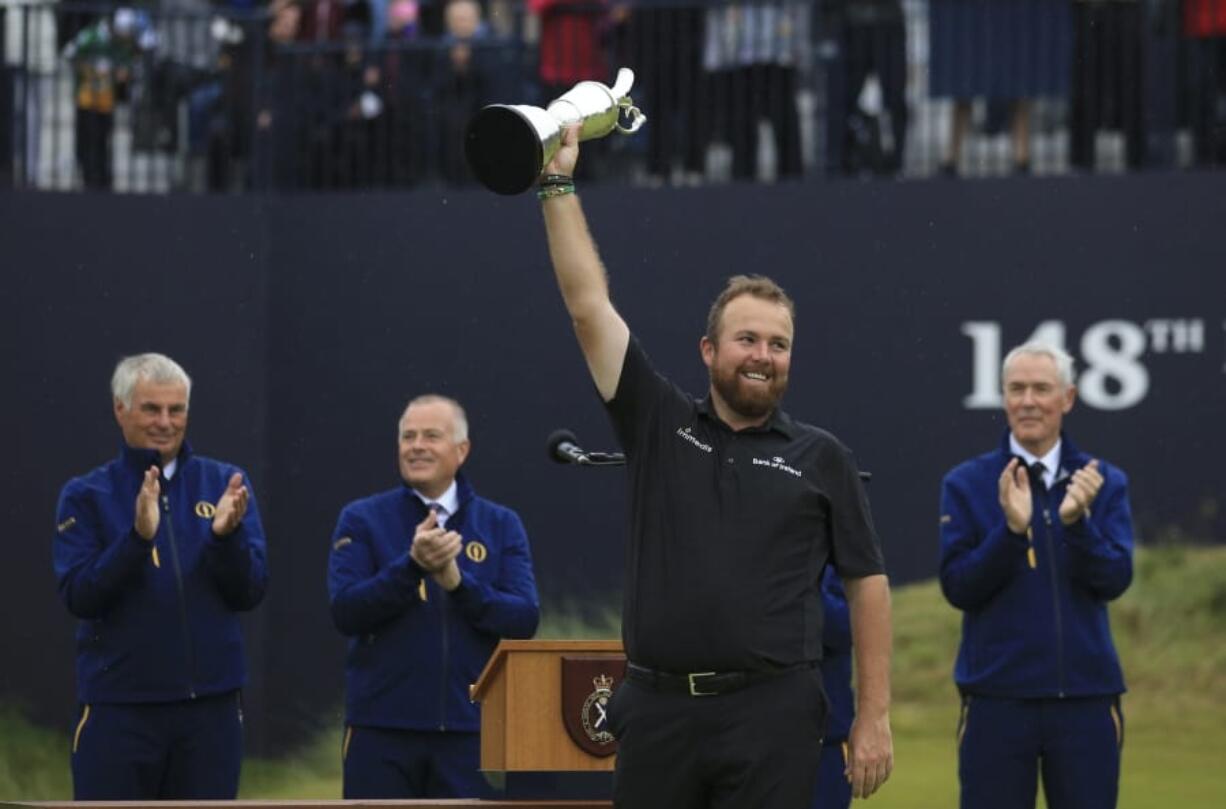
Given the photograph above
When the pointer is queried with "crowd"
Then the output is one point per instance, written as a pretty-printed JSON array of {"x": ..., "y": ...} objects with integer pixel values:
[{"x": 316, "y": 94}]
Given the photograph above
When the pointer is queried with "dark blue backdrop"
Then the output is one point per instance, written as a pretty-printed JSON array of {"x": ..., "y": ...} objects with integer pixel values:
[{"x": 307, "y": 322}]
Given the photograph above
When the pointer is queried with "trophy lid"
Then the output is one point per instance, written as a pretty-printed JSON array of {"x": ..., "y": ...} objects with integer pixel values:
[{"x": 503, "y": 149}]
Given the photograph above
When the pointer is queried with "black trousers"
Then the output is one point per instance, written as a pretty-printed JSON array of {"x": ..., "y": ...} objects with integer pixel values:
[
  {"x": 746, "y": 95},
  {"x": 1108, "y": 80},
  {"x": 756, "y": 748},
  {"x": 94, "y": 130}
]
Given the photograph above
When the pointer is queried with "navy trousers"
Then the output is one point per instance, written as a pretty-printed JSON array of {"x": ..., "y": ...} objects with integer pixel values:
[
  {"x": 757, "y": 747},
  {"x": 191, "y": 750},
  {"x": 1005, "y": 744},
  {"x": 832, "y": 790},
  {"x": 391, "y": 763}
]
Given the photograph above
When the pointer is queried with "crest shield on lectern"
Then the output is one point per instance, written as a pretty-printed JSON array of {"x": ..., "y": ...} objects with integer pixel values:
[{"x": 587, "y": 688}]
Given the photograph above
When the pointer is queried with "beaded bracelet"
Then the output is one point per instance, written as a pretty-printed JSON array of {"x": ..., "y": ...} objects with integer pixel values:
[{"x": 555, "y": 190}]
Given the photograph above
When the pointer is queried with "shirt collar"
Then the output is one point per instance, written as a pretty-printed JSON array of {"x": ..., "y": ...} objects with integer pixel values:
[
  {"x": 1050, "y": 461},
  {"x": 449, "y": 500},
  {"x": 142, "y": 459}
]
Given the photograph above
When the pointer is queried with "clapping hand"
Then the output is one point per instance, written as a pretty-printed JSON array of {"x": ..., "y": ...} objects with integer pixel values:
[
  {"x": 1082, "y": 489},
  {"x": 147, "y": 514},
  {"x": 435, "y": 550},
  {"x": 1015, "y": 496},
  {"x": 231, "y": 507}
]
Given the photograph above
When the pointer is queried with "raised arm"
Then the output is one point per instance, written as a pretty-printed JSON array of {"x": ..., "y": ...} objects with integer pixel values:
[{"x": 603, "y": 335}]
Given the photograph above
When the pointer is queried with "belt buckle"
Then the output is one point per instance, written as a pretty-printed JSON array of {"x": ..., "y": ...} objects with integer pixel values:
[{"x": 693, "y": 677}]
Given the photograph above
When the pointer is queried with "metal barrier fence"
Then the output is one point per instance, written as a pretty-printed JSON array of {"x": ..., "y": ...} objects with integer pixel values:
[{"x": 321, "y": 94}]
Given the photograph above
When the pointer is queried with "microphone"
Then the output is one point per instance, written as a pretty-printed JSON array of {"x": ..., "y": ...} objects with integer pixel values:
[{"x": 563, "y": 449}]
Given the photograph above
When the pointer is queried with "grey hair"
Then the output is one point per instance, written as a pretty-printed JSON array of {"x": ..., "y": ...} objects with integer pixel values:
[
  {"x": 1038, "y": 348},
  {"x": 460, "y": 429},
  {"x": 156, "y": 368}
]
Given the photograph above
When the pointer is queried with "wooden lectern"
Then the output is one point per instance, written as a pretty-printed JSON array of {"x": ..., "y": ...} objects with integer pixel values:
[{"x": 520, "y": 691}]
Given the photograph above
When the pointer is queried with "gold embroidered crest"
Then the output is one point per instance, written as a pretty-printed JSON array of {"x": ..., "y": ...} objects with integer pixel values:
[
  {"x": 206, "y": 510},
  {"x": 475, "y": 551}
]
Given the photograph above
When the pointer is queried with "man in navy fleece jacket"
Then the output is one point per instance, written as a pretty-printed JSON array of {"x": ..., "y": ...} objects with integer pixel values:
[
  {"x": 424, "y": 579},
  {"x": 1036, "y": 539}
]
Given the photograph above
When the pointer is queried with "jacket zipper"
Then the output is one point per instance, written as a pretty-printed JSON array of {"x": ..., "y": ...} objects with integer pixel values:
[
  {"x": 1055, "y": 600},
  {"x": 442, "y": 702},
  {"x": 187, "y": 637}
]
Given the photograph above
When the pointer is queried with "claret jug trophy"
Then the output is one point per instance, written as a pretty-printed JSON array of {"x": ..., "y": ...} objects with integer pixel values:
[{"x": 508, "y": 145}]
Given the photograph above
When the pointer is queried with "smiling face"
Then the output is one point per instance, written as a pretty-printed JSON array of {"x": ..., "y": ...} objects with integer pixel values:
[
  {"x": 429, "y": 454},
  {"x": 1036, "y": 399},
  {"x": 156, "y": 419},
  {"x": 749, "y": 359}
]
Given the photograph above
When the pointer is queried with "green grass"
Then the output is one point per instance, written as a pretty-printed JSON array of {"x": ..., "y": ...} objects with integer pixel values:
[{"x": 1170, "y": 629}]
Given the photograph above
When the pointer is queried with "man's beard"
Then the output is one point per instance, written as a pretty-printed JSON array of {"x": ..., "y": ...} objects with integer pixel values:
[{"x": 746, "y": 400}]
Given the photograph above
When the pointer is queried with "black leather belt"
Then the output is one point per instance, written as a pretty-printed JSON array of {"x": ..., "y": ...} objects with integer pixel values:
[{"x": 703, "y": 683}]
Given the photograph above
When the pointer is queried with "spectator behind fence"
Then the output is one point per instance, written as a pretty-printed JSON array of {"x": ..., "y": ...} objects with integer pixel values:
[
  {"x": 402, "y": 21},
  {"x": 157, "y": 552},
  {"x": 1108, "y": 79},
  {"x": 663, "y": 45},
  {"x": 573, "y": 47},
  {"x": 424, "y": 579},
  {"x": 1003, "y": 51},
  {"x": 363, "y": 131},
  {"x": 462, "y": 82},
  {"x": 1204, "y": 28},
  {"x": 1036, "y": 539},
  {"x": 286, "y": 122},
  {"x": 102, "y": 56},
  {"x": 865, "y": 56},
  {"x": 754, "y": 52}
]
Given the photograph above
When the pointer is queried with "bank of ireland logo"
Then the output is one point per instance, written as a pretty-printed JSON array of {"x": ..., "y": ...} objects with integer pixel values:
[
  {"x": 780, "y": 463},
  {"x": 595, "y": 711}
]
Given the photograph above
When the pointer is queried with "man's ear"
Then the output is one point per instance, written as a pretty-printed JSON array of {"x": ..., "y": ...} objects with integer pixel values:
[
  {"x": 1070, "y": 396},
  {"x": 707, "y": 349}
]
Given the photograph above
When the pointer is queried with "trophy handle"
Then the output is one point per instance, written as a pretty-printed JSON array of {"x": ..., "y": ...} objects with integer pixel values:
[
  {"x": 623, "y": 83},
  {"x": 621, "y": 94},
  {"x": 633, "y": 114}
]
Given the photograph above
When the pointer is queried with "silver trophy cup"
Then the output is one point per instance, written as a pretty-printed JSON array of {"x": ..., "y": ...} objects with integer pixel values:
[{"x": 507, "y": 145}]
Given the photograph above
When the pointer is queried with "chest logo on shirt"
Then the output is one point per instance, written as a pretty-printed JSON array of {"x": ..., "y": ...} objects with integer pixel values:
[
  {"x": 778, "y": 463},
  {"x": 686, "y": 434},
  {"x": 476, "y": 551},
  {"x": 206, "y": 510}
]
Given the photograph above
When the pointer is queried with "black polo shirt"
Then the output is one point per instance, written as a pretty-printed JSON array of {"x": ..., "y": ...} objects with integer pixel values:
[{"x": 729, "y": 531}]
